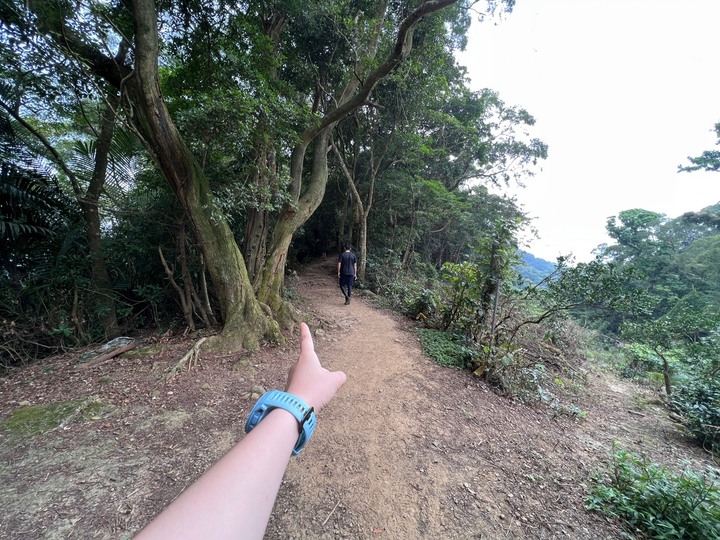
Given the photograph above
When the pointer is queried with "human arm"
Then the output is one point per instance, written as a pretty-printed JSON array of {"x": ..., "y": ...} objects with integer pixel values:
[
  {"x": 339, "y": 266},
  {"x": 234, "y": 498}
]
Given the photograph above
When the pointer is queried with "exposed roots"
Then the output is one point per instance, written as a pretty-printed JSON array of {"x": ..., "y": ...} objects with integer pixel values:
[{"x": 191, "y": 359}]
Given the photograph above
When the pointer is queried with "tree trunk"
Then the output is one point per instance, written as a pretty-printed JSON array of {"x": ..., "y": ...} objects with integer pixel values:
[
  {"x": 342, "y": 235},
  {"x": 257, "y": 221},
  {"x": 291, "y": 219},
  {"x": 666, "y": 372},
  {"x": 410, "y": 244},
  {"x": 362, "y": 210},
  {"x": 491, "y": 283},
  {"x": 101, "y": 282},
  {"x": 246, "y": 321}
]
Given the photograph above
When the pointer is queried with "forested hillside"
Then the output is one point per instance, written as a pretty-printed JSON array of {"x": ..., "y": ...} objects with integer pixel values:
[
  {"x": 534, "y": 269},
  {"x": 166, "y": 168}
]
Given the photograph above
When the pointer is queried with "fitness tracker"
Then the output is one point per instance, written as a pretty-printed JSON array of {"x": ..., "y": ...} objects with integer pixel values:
[{"x": 275, "y": 399}]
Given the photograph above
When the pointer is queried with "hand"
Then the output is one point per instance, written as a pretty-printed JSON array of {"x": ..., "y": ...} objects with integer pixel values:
[{"x": 308, "y": 380}]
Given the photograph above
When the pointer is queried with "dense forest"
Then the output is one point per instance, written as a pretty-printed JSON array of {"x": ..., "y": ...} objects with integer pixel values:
[
  {"x": 168, "y": 166},
  {"x": 181, "y": 161}
]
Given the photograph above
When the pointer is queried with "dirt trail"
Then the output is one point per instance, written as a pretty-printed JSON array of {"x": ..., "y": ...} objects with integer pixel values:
[{"x": 407, "y": 449}]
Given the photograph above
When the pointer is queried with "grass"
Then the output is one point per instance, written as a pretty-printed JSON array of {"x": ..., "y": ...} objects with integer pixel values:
[{"x": 38, "y": 419}]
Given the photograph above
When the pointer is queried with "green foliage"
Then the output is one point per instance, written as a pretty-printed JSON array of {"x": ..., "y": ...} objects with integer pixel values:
[
  {"x": 641, "y": 360},
  {"x": 653, "y": 501},
  {"x": 462, "y": 297},
  {"x": 411, "y": 298},
  {"x": 709, "y": 160},
  {"x": 446, "y": 349},
  {"x": 698, "y": 403},
  {"x": 599, "y": 286}
]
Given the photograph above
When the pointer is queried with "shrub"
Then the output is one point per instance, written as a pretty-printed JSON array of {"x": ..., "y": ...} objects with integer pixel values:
[
  {"x": 639, "y": 361},
  {"x": 409, "y": 296},
  {"x": 698, "y": 402},
  {"x": 650, "y": 499},
  {"x": 445, "y": 348}
]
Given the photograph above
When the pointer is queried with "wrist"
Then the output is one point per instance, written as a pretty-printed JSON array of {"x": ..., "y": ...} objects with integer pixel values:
[{"x": 302, "y": 412}]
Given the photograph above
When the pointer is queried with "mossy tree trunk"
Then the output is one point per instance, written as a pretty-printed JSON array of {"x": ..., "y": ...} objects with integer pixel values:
[
  {"x": 245, "y": 320},
  {"x": 289, "y": 221}
]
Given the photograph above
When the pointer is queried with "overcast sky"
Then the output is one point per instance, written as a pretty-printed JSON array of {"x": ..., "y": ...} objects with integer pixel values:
[{"x": 622, "y": 91}]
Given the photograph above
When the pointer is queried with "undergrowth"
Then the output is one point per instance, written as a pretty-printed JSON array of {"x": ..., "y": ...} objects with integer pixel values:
[
  {"x": 445, "y": 348},
  {"x": 653, "y": 502}
]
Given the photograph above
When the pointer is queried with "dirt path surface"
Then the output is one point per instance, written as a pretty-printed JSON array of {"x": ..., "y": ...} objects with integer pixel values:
[{"x": 407, "y": 449}]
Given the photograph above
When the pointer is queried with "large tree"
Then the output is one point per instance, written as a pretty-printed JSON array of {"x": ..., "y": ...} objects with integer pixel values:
[{"x": 138, "y": 80}]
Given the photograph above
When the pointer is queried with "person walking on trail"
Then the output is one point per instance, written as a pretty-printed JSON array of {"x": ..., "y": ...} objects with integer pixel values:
[{"x": 347, "y": 272}]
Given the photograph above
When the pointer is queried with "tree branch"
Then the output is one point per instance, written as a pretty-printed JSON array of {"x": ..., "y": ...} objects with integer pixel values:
[{"x": 403, "y": 46}]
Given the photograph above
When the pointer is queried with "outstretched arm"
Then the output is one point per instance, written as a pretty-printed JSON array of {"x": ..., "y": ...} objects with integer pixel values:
[{"x": 234, "y": 498}]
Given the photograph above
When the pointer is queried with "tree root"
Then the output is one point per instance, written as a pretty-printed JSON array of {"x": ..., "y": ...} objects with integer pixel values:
[{"x": 191, "y": 358}]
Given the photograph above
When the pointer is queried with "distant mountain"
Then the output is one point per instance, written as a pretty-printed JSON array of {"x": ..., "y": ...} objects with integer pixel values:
[{"x": 533, "y": 269}]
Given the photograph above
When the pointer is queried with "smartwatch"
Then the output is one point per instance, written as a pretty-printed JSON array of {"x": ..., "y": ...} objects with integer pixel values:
[{"x": 275, "y": 399}]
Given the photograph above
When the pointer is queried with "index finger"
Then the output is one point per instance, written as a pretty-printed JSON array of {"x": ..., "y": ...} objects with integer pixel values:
[{"x": 306, "y": 340}]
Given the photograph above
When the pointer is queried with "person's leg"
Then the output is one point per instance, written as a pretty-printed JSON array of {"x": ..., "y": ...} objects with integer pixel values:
[{"x": 345, "y": 287}]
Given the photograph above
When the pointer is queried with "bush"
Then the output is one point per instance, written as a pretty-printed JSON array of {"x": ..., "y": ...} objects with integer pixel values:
[
  {"x": 409, "y": 296},
  {"x": 698, "y": 402},
  {"x": 446, "y": 349},
  {"x": 639, "y": 361},
  {"x": 650, "y": 499}
]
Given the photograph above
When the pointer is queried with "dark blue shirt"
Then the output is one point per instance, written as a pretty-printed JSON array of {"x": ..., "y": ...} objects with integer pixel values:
[{"x": 347, "y": 262}]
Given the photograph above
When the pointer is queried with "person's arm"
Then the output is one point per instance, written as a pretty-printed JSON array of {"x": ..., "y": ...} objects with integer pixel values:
[
  {"x": 234, "y": 498},
  {"x": 339, "y": 265}
]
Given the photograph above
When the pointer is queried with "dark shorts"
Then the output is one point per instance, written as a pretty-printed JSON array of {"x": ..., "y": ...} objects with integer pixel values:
[{"x": 347, "y": 280}]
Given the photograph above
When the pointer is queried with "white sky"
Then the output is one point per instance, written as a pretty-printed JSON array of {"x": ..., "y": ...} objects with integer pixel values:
[{"x": 622, "y": 91}]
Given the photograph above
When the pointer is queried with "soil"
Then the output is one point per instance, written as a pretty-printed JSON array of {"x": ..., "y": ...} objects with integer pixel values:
[{"x": 407, "y": 449}]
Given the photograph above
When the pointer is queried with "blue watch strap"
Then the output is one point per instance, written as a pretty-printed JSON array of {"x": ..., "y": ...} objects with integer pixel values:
[{"x": 275, "y": 399}]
